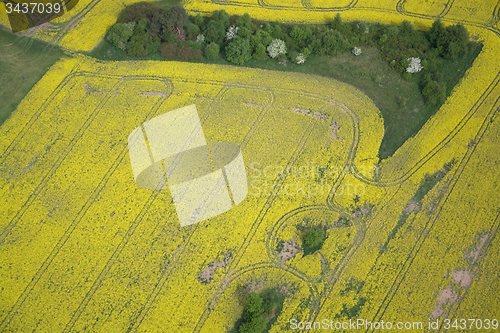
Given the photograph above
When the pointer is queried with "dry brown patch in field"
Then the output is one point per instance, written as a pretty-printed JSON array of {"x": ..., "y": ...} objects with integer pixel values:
[
  {"x": 412, "y": 206},
  {"x": 153, "y": 93},
  {"x": 463, "y": 277}
]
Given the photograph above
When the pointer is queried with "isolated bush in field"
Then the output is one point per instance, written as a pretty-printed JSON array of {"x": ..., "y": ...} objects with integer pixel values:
[
  {"x": 414, "y": 66},
  {"x": 356, "y": 51},
  {"x": 314, "y": 236},
  {"x": 120, "y": 33},
  {"x": 232, "y": 32},
  {"x": 276, "y": 47},
  {"x": 239, "y": 51},
  {"x": 212, "y": 51}
]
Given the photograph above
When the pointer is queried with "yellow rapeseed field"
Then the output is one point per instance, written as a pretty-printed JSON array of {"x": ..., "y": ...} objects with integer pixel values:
[{"x": 82, "y": 248}]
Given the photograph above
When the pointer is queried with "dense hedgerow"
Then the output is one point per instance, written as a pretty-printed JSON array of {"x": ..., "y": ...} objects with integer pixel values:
[{"x": 144, "y": 28}]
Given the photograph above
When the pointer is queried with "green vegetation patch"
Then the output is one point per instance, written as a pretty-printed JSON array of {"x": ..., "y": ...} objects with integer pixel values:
[{"x": 313, "y": 239}]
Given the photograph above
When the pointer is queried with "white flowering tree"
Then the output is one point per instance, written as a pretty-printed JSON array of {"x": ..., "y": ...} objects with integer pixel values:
[
  {"x": 356, "y": 51},
  {"x": 276, "y": 47},
  {"x": 232, "y": 32},
  {"x": 414, "y": 66}
]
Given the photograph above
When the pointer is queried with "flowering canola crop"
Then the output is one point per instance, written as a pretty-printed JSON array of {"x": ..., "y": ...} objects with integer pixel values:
[{"x": 84, "y": 248}]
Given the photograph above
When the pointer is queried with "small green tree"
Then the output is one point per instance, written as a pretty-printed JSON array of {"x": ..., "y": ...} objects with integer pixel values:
[
  {"x": 256, "y": 324},
  {"x": 176, "y": 17},
  {"x": 239, "y": 51},
  {"x": 215, "y": 32},
  {"x": 298, "y": 35},
  {"x": 153, "y": 46},
  {"x": 254, "y": 303},
  {"x": 337, "y": 23},
  {"x": 222, "y": 17},
  {"x": 436, "y": 33},
  {"x": 260, "y": 52},
  {"x": 136, "y": 46},
  {"x": 212, "y": 51},
  {"x": 244, "y": 21},
  {"x": 263, "y": 37}
]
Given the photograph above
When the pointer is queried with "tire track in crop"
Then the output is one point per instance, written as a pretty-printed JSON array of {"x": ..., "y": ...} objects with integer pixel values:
[
  {"x": 431, "y": 221},
  {"x": 118, "y": 250},
  {"x": 90, "y": 200},
  {"x": 495, "y": 16},
  {"x": 62, "y": 156},
  {"x": 401, "y": 10},
  {"x": 248, "y": 238},
  {"x": 74, "y": 21},
  {"x": 166, "y": 273},
  {"x": 263, "y": 4}
]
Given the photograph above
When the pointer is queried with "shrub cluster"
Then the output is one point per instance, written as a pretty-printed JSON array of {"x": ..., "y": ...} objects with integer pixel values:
[{"x": 144, "y": 28}]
